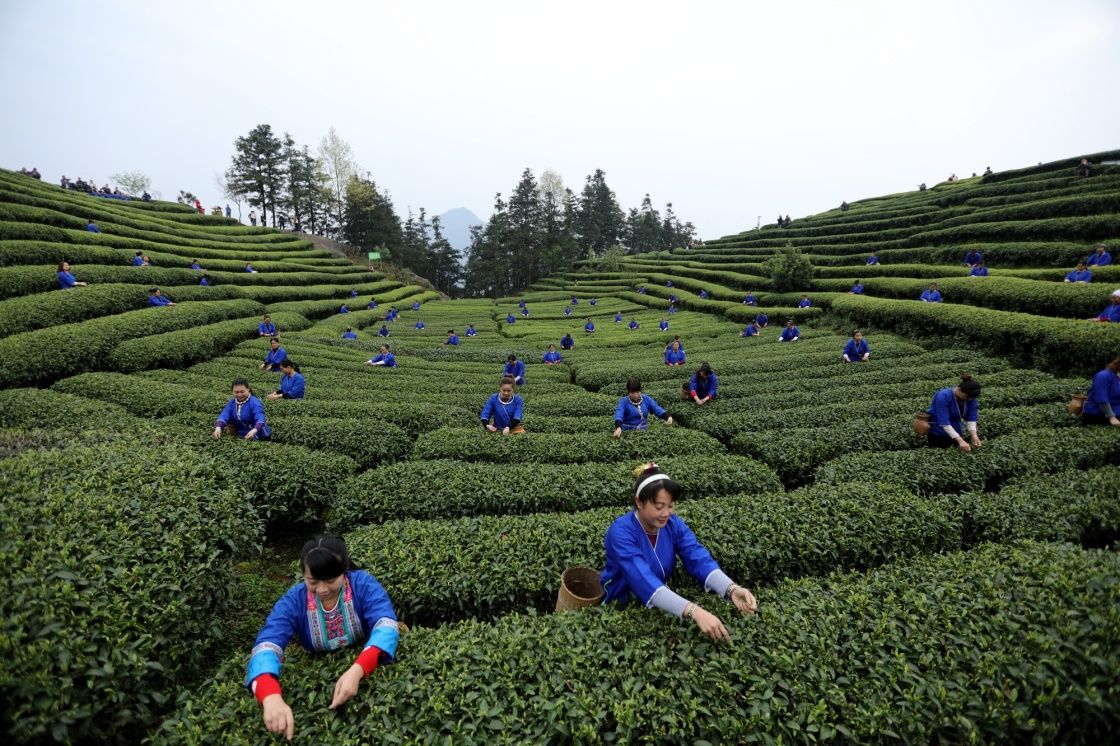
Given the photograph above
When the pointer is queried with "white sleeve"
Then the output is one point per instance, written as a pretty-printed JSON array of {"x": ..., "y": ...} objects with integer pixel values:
[
  {"x": 951, "y": 432},
  {"x": 717, "y": 581},
  {"x": 972, "y": 426},
  {"x": 668, "y": 601}
]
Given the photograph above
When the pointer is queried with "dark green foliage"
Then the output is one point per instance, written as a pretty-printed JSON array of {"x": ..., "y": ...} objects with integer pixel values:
[
  {"x": 850, "y": 659},
  {"x": 116, "y": 568},
  {"x": 789, "y": 270},
  {"x": 445, "y": 489},
  {"x": 474, "y": 445}
]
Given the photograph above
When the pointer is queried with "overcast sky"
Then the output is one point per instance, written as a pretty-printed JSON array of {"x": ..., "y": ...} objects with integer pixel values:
[{"x": 729, "y": 110}]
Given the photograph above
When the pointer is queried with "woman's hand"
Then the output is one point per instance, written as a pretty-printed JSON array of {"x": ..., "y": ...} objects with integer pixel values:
[
  {"x": 963, "y": 445},
  {"x": 505, "y": 431},
  {"x": 710, "y": 625},
  {"x": 251, "y": 434},
  {"x": 744, "y": 600},
  {"x": 669, "y": 420},
  {"x": 491, "y": 428},
  {"x": 1114, "y": 421},
  {"x": 217, "y": 433},
  {"x": 975, "y": 440},
  {"x": 278, "y": 716},
  {"x": 618, "y": 432},
  {"x": 347, "y": 686}
]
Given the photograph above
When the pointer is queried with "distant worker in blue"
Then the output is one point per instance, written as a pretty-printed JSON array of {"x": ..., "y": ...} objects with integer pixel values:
[
  {"x": 791, "y": 333},
  {"x": 703, "y": 294},
  {"x": 66, "y": 279},
  {"x": 266, "y": 328},
  {"x": 673, "y": 298},
  {"x": 749, "y": 299},
  {"x": 243, "y": 415},
  {"x": 383, "y": 359},
  {"x": 393, "y": 314},
  {"x": 633, "y": 324},
  {"x": 805, "y": 302},
  {"x": 674, "y": 355},
  {"x": 642, "y": 549},
  {"x": 204, "y": 281},
  {"x": 372, "y": 304},
  {"x": 703, "y": 386},
  {"x": 349, "y": 334},
  {"x": 575, "y": 301},
  {"x": 510, "y": 319},
  {"x": 1102, "y": 402},
  {"x": 1100, "y": 257},
  {"x": 515, "y": 369},
  {"x": 503, "y": 410},
  {"x": 470, "y": 330},
  {"x": 249, "y": 268},
  {"x": 589, "y": 327},
  {"x": 336, "y": 606},
  {"x": 292, "y": 385},
  {"x": 668, "y": 283},
  {"x": 525, "y": 311},
  {"x": 857, "y": 350},
  {"x": 452, "y": 338},
  {"x": 873, "y": 259},
  {"x": 642, "y": 290},
  {"x": 857, "y": 289},
  {"x": 420, "y": 325},
  {"x": 972, "y": 258},
  {"x": 1081, "y": 274},
  {"x": 634, "y": 409},
  {"x": 952, "y": 406},
  {"x": 752, "y": 330},
  {"x": 353, "y": 292},
  {"x": 978, "y": 270},
  {"x": 932, "y": 294},
  {"x": 157, "y": 298},
  {"x": 617, "y": 317},
  {"x": 383, "y": 331},
  {"x": 567, "y": 310},
  {"x": 344, "y": 308},
  {"x": 1111, "y": 312},
  {"x": 672, "y": 309},
  {"x": 594, "y": 301},
  {"x": 567, "y": 343},
  {"x": 762, "y": 319},
  {"x": 194, "y": 265},
  {"x": 138, "y": 260},
  {"x": 276, "y": 355},
  {"x": 521, "y": 303},
  {"x": 552, "y": 357},
  {"x": 92, "y": 226},
  {"x": 416, "y": 305},
  {"x": 663, "y": 325}
]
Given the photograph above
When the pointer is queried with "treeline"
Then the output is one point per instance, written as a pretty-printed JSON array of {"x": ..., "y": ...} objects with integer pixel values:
[{"x": 545, "y": 227}]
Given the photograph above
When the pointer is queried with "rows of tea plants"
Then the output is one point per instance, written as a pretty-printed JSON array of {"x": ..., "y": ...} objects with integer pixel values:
[{"x": 133, "y": 539}]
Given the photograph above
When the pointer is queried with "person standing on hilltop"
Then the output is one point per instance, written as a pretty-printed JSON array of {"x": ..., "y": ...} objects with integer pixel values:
[{"x": 252, "y": 217}]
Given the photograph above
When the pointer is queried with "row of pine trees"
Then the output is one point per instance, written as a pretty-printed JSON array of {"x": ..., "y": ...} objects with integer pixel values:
[{"x": 542, "y": 228}]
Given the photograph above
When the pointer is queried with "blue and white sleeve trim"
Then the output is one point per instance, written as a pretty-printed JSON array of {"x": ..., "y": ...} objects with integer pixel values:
[
  {"x": 385, "y": 636},
  {"x": 267, "y": 657}
]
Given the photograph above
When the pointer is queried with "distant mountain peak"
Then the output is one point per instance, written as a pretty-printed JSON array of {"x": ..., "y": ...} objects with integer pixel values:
[{"x": 456, "y": 225}]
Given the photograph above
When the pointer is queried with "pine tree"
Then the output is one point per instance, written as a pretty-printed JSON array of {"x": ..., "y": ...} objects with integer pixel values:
[
  {"x": 444, "y": 261},
  {"x": 524, "y": 238},
  {"x": 599, "y": 219},
  {"x": 369, "y": 220},
  {"x": 257, "y": 169}
]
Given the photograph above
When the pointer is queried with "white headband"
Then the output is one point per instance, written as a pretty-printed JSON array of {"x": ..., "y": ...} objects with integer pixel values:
[{"x": 648, "y": 481}]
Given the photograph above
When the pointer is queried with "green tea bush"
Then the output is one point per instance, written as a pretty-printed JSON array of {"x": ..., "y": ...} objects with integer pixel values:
[
  {"x": 38, "y": 408},
  {"x": 116, "y": 560},
  {"x": 849, "y": 659},
  {"x": 933, "y": 471},
  {"x": 45, "y": 355},
  {"x": 475, "y": 445},
  {"x": 445, "y": 489},
  {"x": 485, "y": 566}
]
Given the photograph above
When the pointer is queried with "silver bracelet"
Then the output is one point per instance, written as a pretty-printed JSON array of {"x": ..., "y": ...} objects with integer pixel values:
[{"x": 731, "y": 590}]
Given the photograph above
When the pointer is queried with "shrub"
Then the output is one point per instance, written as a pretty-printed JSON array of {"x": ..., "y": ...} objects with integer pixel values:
[
  {"x": 850, "y": 658},
  {"x": 471, "y": 445},
  {"x": 789, "y": 270},
  {"x": 445, "y": 489},
  {"x": 114, "y": 556},
  {"x": 36, "y": 408}
]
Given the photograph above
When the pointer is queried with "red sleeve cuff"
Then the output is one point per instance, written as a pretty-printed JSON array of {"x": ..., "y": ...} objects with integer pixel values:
[
  {"x": 693, "y": 392},
  {"x": 265, "y": 686},
  {"x": 369, "y": 659}
]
